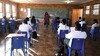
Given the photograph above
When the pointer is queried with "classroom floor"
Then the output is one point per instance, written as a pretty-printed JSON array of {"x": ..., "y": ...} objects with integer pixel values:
[{"x": 47, "y": 44}]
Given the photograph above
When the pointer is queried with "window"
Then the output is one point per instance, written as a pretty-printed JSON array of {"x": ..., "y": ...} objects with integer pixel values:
[
  {"x": 96, "y": 9},
  {"x": 13, "y": 10},
  {"x": 28, "y": 12},
  {"x": 87, "y": 10},
  {"x": 7, "y": 10},
  {"x": 0, "y": 10}
]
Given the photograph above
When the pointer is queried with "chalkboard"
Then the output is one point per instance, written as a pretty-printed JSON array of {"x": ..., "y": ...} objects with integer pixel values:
[{"x": 53, "y": 12}]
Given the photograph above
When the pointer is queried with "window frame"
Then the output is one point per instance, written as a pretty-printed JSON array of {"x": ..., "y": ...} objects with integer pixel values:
[
  {"x": 1, "y": 11},
  {"x": 96, "y": 9},
  {"x": 7, "y": 10},
  {"x": 87, "y": 10},
  {"x": 14, "y": 13}
]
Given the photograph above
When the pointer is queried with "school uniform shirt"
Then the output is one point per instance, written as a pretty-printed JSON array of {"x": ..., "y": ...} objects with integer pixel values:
[
  {"x": 94, "y": 25},
  {"x": 26, "y": 28},
  {"x": 60, "y": 24},
  {"x": 63, "y": 27},
  {"x": 10, "y": 19},
  {"x": 75, "y": 34},
  {"x": 29, "y": 23},
  {"x": 82, "y": 22},
  {"x": 3, "y": 22},
  {"x": 72, "y": 29}
]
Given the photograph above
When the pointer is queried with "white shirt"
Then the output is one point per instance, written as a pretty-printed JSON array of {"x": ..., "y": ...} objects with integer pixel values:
[
  {"x": 72, "y": 29},
  {"x": 60, "y": 24},
  {"x": 26, "y": 28},
  {"x": 63, "y": 27},
  {"x": 75, "y": 34},
  {"x": 3, "y": 21},
  {"x": 29, "y": 23},
  {"x": 11, "y": 18},
  {"x": 94, "y": 25},
  {"x": 82, "y": 22}
]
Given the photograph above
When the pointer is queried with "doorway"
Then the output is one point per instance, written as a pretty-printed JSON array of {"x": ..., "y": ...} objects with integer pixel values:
[{"x": 76, "y": 13}]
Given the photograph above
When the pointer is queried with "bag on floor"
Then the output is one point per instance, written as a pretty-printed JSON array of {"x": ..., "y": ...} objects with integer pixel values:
[{"x": 34, "y": 35}]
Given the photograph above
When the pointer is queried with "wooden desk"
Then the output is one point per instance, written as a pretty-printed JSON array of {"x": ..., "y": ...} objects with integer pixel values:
[{"x": 14, "y": 34}]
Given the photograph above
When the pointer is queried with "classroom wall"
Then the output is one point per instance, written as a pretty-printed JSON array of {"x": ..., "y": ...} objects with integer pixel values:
[
  {"x": 90, "y": 17},
  {"x": 22, "y": 14}
]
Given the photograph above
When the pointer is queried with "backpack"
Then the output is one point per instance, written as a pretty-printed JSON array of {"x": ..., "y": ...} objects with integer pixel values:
[{"x": 34, "y": 35}]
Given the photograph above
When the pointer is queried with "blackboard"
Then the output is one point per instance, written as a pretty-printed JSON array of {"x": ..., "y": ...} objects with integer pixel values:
[{"x": 53, "y": 12}]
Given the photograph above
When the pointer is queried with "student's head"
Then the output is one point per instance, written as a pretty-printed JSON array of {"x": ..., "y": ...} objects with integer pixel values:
[
  {"x": 57, "y": 18},
  {"x": 46, "y": 13},
  {"x": 27, "y": 19},
  {"x": 80, "y": 18},
  {"x": 33, "y": 17},
  {"x": 33, "y": 20},
  {"x": 64, "y": 21},
  {"x": 95, "y": 21},
  {"x": 77, "y": 26}
]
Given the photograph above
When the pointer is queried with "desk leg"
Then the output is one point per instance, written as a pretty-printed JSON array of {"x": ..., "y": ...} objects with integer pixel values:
[{"x": 5, "y": 46}]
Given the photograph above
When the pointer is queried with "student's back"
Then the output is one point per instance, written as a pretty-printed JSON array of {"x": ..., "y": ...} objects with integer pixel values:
[
  {"x": 25, "y": 27},
  {"x": 63, "y": 26}
]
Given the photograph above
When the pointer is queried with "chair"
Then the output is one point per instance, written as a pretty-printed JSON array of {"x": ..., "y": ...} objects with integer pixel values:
[
  {"x": 77, "y": 45},
  {"x": 62, "y": 35},
  {"x": 95, "y": 32},
  {"x": 18, "y": 43},
  {"x": 61, "y": 38},
  {"x": 27, "y": 39}
]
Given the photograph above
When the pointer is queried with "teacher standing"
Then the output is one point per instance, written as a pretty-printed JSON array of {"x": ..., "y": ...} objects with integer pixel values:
[{"x": 46, "y": 19}]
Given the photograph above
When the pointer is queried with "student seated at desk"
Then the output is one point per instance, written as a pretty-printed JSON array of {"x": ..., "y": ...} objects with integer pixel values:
[
  {"x": 79, "y": 20},
  {"x": 12, "y": 25},
  {"x": 63, "y": 26},
  {"x": 95, "y": 24},
  {"x": 4, "y": 24},
  {"x": 75, "y": 34},
  {"x": 25, "y": 27},
  {"x": 83, "y": 24}
]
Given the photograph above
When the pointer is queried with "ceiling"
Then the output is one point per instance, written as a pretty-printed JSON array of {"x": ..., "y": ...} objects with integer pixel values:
[{"x": 51, "y": 1}]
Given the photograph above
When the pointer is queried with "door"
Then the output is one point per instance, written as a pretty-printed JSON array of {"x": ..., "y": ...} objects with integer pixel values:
[{"x": 76, "y": 13}]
